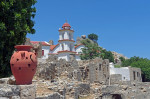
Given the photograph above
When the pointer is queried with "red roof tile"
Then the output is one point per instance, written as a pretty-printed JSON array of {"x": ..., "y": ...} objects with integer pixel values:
[
  {"x": 78, "y": 45},
  {"x": 43, "y": 43},
  {"x": 53, "y": 46},
  {"x": 66, "y": 51},
  {"x": 66, "y": 25}
]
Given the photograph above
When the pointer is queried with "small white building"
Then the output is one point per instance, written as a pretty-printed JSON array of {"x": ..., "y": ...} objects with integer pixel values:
[
  {"x": 124, "y": 71},
  {"x": 127, "y": 73}
]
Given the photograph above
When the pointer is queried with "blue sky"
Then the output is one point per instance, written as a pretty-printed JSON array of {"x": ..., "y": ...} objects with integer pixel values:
[{"x": 122, "y": 25}]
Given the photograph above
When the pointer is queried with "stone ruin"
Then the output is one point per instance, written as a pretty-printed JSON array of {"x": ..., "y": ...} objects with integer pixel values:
[
  {"x": 90, "y": 71},
  {"x": 37, "y": 48},
  {"x": 88, "y": 79}
]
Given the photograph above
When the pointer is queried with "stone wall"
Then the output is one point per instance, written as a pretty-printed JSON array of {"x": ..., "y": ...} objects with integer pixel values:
[
  {"x": 135, "y": 74},
  {"x": 54, "y": 68},
  {"x": 46, "y": 71},
  {"x": 115, "y": 79},
  {"x": 96, "y": 70}
]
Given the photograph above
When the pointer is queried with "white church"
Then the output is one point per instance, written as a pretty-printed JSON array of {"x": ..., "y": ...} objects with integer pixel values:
[{"x": 65, "y": 47}]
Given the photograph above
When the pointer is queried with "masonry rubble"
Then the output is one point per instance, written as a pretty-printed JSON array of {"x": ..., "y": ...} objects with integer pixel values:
[
  {"x": 37, "y": 48},
  {"x": 88, "y": 79}
]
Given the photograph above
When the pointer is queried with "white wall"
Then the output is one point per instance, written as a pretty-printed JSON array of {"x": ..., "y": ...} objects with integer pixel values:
[
  {"x": 63, "y": 56},
  {"x": 67, "y": 45},
  {"x": 46, "y": 51},
  {"x": 124, "y": 71},
  {"x": 66, "y": 35},
  {"x": 79, "y": 48}
]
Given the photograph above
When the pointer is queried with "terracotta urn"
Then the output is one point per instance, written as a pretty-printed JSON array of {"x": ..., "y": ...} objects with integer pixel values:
[{"x": 23, "y": 64}]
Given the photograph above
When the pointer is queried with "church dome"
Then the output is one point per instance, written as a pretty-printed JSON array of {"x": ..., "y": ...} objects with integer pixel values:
[{"x": 66, "y": 25}]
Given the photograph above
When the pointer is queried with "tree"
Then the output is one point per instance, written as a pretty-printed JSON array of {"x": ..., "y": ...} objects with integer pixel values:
[
  {"x": 128, "y": 62},
  {"x": 107, "y": 55},
  {"x": 93, "y": 37},
  {"x": 15, "y": 22},
  {"x": 122, "y": 59},
  {"x": 91, "y": 50},
  {"x": 142, "y": 63}
]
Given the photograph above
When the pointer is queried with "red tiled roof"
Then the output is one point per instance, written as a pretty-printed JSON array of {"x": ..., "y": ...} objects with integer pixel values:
[
  {"x": 53, "y": 46},
  {"x": 78, "y": 45},
  {"x": 43, "y": 43},
  {"x": 66, "y": 51},
  {"x": 66, "y": 25}
]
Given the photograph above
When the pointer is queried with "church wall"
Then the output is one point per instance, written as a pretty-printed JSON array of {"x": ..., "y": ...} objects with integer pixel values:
[
  {"x": 67, "y": 45},
  {"x": 66, "y": 33},
  {"x": 63, "y": 56},
  {"x": 60, "y": 36}
]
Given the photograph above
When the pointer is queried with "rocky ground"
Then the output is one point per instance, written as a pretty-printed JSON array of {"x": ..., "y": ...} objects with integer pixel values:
[{"x": 70, "y": 80}]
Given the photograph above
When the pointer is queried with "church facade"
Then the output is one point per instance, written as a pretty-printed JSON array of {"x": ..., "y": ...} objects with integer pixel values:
[{"x": 65, "y": 47}]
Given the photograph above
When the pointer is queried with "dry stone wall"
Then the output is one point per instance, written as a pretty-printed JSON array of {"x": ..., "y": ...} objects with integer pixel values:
[{"x": 96, "y": 70}]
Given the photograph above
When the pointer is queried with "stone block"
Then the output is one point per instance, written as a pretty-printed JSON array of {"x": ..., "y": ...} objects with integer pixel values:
[
  {"x": 9, "y": 90},
  {"x": 27, "y": 91}
]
